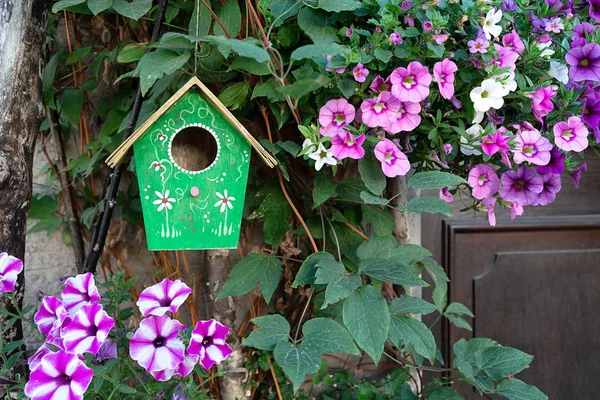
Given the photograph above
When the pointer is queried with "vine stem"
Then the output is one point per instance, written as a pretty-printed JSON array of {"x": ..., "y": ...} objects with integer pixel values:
[{"x": 312, "y": 290}]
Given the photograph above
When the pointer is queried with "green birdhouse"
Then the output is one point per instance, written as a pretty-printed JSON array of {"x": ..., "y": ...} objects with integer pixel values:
[{"x": 192, "y": 158}]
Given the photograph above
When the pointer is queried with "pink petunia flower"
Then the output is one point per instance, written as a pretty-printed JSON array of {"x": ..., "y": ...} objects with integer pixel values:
[
  {"x": 156, "y": 345},
  {"x": 478, "y": 45},
  {"x": 555, "y": 25},
  {"x": 411, "y": 83},
  {"x": 443, "y": 72},
  {"x": 507, "y": 57},
  {"x": 10, "y": 268},
  {"x": 88, "y": 330},
  {"x": 44, "y": 349},
  {"x": 79, "y": 291},
  {"x": 550, "y": 187},
  {"x": 522, "y": 186},
  {"x": 541, "y": 102},
  {"x": 393, "y": 161},
  {"x": 490, "y": 203},
  {"x": 381, "y": 111},
  {"x": 446, "y": 195},
  {"x": 347, "y": 145},
  {"x": 208, "y": 342},
  {"x": 571, "y": 135},
  {"x": 187, "y": 365},
  {"x": 395, "y": 38},
  {"x": 427, "y": 26},
  {"x": 334, "y": 116},
  {"x": 497, "y": 143},
  {"x": 380, "y": 85},
  {"x": 407, "y": 118},
  {"x": 515, "y": 210},
  {"x": 164, "y": 296},
  {"x": 513, "y": 40},
  {"x": 51, "y": 314},
  {"x": 532, "y": 147},
  {"x": 484, "y": 181},
  {"x": 576, "y": 174},
  {"x": 440, "y": 38},
  {"x": 60, "y": 375},
  {"x": 360, "y": 73}
]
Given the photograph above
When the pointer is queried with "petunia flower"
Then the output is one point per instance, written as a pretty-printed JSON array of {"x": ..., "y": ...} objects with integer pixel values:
[
  {"x": 88, "y": 330},
  {"x": 541, "y": 101},
  {"x": 208, "y": 342},
  {"x": 164, "y": 296},
  {"x": 489, "y": 203},
  {"x": 360, "y": 73},
  {"x": 556, "y": 165},
  {"x": 551, "y": 187},
  {"x": 427, "y": 26},
  {"x": 515, "y": 210},
  {"x": 591, "y": 112},
  {"x": 322, "y": 156},
  {"x": 51, "y": 314},
  {"x": 497, "y": 143},
  {"x": 559, "y": 71},
  {"x": 443, "y": 73},
  {"x": 489, "y": 26},
  {"x": 187, "y": 365},
  {"x": 407, "y": 118},
  {"x": 446, "y": 195},
  {"x": 522, "y": 186},
  {"x": 225, "y": 201},
  {"x": 479, "y": 45},
  {"x": 576, "y": 174},
  {"x": 164, "y": 201},
  {"x": 156, "y": 345},
  {"x": 544, "y": 48},
  {"x": 584, "y": 62},
  {"x": 411, "y": 83},
  {"x": 532, "y": 147},
  {"x": 163, "y": 375},
  {"x": 10, "y": 268},
  {"x": 334, "y": 116},
  {"x": 440, "y": 38},
  {"x": 380, "y": 85},
  {"x": 483, "y": 181},
  {"x": 347, "y": 146},
  {"x": 468, "y": 146},
  {"x": 513, "y": 41},
  {"x": 393, "y": 161},
  {"x": 555, "y": 25},
  {"x": 60, "y": 375},
  {"x": 508, "y": 5},
  {"x": 571, "y": 135},
  {"x": 107, "y": 351},
  {"x": 507, "y": 57},
  {"x": 594, "y": 9},
  {"x": 395, "y": 38},
  {"x": 489, "y": 95},
  {"x": 36, "y": 358},
  {"x": 582, "y": 30},
  {"x": 349, "y": 32},
  {"x": 79, "y": 291},
  {"x": 381, "y": 111}
]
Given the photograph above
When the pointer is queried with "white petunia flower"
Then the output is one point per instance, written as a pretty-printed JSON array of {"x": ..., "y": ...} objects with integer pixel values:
[
  {"x": 164, "y": 201},
  {"x": 559, "y": 71},
  {"x": 490, "y": 27},
  {"x": 544, "y": 47},
  {"x": 489, "y": 95},
  {"x": 507, "y": 80},
  {"x": 224, "y": 201},
  {"x": 322, "y": 156}
]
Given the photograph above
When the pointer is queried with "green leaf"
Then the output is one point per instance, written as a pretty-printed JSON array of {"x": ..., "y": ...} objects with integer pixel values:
[
  {"x": 459, "y": 309},
  {"x": 383, "y": 55},
  {"x": 414, "y": 333},
  {"x": 339, "y": 5},
  {"x": 124, "y": 388},
  {"x": 371, "y": 174},
  {"x": 316, "y": 24},
  {"x": 318, "y": 51},
  {"x": 428, "y": 204},
  {"x": 323, "y": 190},
  {"x": 235, "y": 96},
  {"x": 231, "y": 17},
  {"x": 444, "y": 393},
  {"x": 272, "y": 329},
  {"x": 308, "y": 269},
  {"x": 296, "y": 362},
  {"x": 347, "y": 87},
  {"x": 500, "y": 362},
  {"x": 434, "y": 180},
  {"x": 440, "y": 279},
  {"x": 370, "y": 198},
  {"x": 388, "y": 248},
  {"x": 64, "y": 4},
  {"x": 131, "y": 53},
  {"x": 339, "y": 283},
  {"x": 201, "y": 20},
  {"x": 383, "y": 222},
  {"x": 275, "y": 210},
  {"x": 458, "y": 321},
  {"x": 269, "y": 90},
  {"x": 283, "y": 9},
  {"x": 72, "y": 104},
  {"x": 250, "y": 65},
  {"x": 391, "y": 271},
  {"x": 327, "y": 337},
  {"x": 242, "y": 48},
  {"x": 134, "y": 9},
  {"x": 515, "y": 389},
  {"x": 40, "y": 208},
  {"x": 250, "y": 270},
  {"x": 302, "y": 87},
  {"x": 366, "y": 316},
  {"x": 154, "y": 65},
  {"x": 411, "y": 305},
  {"x": 77, "y": 55}
]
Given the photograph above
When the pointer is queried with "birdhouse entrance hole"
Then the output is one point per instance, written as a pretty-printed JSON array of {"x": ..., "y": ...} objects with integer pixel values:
[{"x": 194, "y": 148}]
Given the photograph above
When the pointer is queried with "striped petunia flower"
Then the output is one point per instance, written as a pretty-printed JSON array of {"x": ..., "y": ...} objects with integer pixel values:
[
  {"x": 51, "y": 315},
  {"x": 165, "y": 296},
  {"x": 88, "y": 330},
  {"x": 10, "y": 268},
  {"x": 156, "y": 345},
  {"x": 79, "y": 291},
  {"x": 183, "y": 369},
  {"x": 60, "y": 375},
  {"x": 208, "y": 342}
]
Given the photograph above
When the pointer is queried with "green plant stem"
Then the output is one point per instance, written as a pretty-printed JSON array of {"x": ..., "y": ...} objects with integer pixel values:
[{"x": 303, "y": 314}]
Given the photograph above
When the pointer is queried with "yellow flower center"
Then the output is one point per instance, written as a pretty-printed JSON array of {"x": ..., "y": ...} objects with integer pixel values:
[
  {"x": 584, "y": 63},
  {"x": 408, "y": 82},
  {"x": 379, "y": 107},
  {"x": 568, "y": 134}
]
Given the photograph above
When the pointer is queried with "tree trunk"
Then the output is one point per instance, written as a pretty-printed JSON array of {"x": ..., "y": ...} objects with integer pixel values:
[{"x": 22, "y": 36}]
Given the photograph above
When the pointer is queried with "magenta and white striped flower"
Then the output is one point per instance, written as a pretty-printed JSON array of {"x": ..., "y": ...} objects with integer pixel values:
[
  {"x": 10, "y": 268},
  {"x": 165, "y": 296},
  {"x": 51, "y": 315},
  {"x": 61, "y": 375},
  {"x": 79, "y": 291},
  {"x": 187, "y": 365},
  {"x": 88, "y": 330},
  {"x": 208, "y": 342},
  {"x": 156, "y": 345}
]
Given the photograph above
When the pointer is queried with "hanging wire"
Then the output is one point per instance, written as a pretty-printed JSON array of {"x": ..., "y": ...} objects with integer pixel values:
[{"x": 196, "y": 33}]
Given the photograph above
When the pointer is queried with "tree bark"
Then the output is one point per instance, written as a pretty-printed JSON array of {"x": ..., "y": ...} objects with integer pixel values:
[{"x": 22, "y": 37}]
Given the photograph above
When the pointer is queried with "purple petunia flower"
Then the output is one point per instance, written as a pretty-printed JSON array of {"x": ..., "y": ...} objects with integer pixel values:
[
  {"x": 594, "y": 8},
  {"x": 556, "y": 164},
  {"x": 360, "y": 73},
  {"x": 508, "y": 5},
  {"x": 10, "y": 268},
  {"x": 551, "y": 186},
  {"x": 513, "y": 41},
  {"x": 156, "y": 345},
  {"x": 407, "y": 118},
  {"x": 427, "y": 26},
  {"x": 60, "y": 375},
  {"x": 478, "y": 45},
  {"x": 334, "y": 116},
  {"x": 532, "y": 147},
  {"x": 581, "y": 30},
  {"x": 571, "y": 135},
  {"x": 164, "y": 296},
  {"x": 79, "y": 291},
  {"x": 107, "y": 351},
  {"x": 208, "y": 342},
  {"x": 347, "y": 145},
  {"x": 490, "y": 203},
  {"x": 395, "y": 38},
  {"x": 497, "y": 143},
  {"x": 484, "y": 181},
  {"x": 584, "y": 62},
  {"x": 541, "y": 102},
  {"x": 443, "y": 72},
  {"x": 349, "y": 32},
  {"x": 591, "y": 113},
  {"x": 88, "y": 330},
  {"x": 411, "y": 83},
  {"x": 576, "y": 174},
  {"x": 381, "y": 111},
  {"x": 507, "y": 57},
  {"x": 522, "y": 186},
  {"x": 51, "y": 314},
  {"x": 446, "y": 195}
]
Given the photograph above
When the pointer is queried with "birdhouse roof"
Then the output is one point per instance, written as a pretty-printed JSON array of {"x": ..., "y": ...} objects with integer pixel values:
[{"x": 120, "y": 152}]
